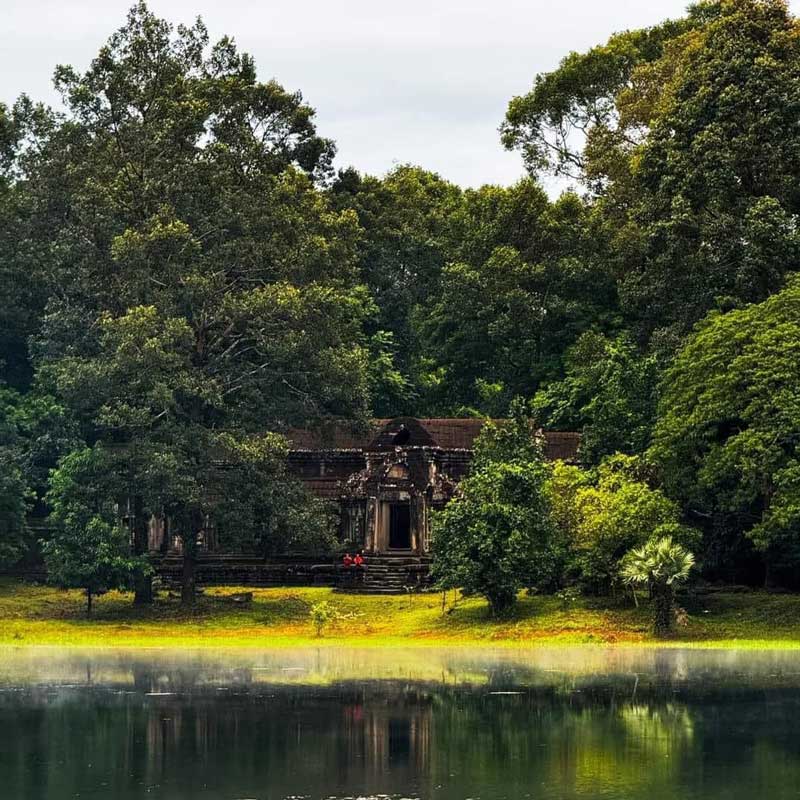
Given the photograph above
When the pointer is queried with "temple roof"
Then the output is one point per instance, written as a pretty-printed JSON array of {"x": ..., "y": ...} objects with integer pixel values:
[{"x": 443, "y": 433}]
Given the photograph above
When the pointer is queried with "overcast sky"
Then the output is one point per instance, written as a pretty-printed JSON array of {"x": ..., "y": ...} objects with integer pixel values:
[{"x": 419, "y": 81}]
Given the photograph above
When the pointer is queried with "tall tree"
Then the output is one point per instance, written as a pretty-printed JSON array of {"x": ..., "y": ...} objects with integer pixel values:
[
  {"x": 497, "y": 537},
  {"x": 727, "y": 431},
  {"x": 23, "y": 253},
  {"x": 524, "y": 285},
  {"x": 581, "y": 120},
  {"x": 686, "y": 135},
  {"x": 408, "y": 220},
  {"x": 718, "y": 174},
  {"x": 204, "y": 291}
]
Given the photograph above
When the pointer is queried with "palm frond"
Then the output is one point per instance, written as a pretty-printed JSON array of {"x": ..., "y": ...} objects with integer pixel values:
[{"x": 658, "y": 561}]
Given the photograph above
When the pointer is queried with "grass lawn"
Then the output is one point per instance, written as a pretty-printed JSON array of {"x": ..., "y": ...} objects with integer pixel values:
[{"x": 32, "y": 614}]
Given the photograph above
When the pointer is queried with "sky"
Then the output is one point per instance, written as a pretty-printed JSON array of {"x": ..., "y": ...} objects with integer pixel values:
[{"x": 417, "y": 81}]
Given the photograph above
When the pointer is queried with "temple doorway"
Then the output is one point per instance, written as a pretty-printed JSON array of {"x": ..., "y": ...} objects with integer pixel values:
[{"x": 400, "y": 526}]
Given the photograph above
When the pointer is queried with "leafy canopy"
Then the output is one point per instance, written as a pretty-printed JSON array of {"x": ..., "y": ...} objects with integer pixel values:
[
  {"x": 90, "y": 546},
  {"x": 659, "y": 561},
  {"x": 609, "y": 393},
  {"x": 14, "y": 489},
  {"x": 605, "y": 514},
  {"x": 686, "y": 135},
  {"x": 726, "y": 436},
  {"x": 203, "y": 290},
  {"x": 522, "y": 286},
  {"x": 496, "y": 536}
]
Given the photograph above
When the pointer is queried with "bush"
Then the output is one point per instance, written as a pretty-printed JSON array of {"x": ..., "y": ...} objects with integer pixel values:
[
  {"x": 321, "y": 614},
  {"x": 568, "y": 596},
  {"x": 496, "y": 537},
  {"x": 88, "y": 548},
  {"x": 607, "y": 514}
]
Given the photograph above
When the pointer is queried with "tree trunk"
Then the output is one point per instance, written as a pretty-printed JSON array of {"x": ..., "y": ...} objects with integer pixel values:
[
  {"x": 144, "y": 582},
  {"x": 769, "y": 573},
  {"x": 500, "y": 601},
  {"x": 88, "y": 602},
  {"x": 188, "y": 584},
  {"x": 663, "y": 604},
  {"x": 143, "y": 590}
]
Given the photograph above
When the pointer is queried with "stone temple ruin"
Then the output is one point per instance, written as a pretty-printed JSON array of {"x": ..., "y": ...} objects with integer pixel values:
[{"x": 386, "y": 481}]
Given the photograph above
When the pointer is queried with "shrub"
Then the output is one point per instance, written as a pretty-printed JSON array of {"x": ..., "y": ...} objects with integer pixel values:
[
  {"x": 607, "y": 513},
  {"x": 321, "y": 614},
  {"x": 496, "y": 537},
  {"x": 568, "y": 595}
]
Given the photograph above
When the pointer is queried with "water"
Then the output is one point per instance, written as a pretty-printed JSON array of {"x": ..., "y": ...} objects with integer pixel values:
[{"x": 450, "y": 725}]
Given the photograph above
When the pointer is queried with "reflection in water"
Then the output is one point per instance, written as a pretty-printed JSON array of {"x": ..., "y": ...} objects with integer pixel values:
[{"x": 427, "y": 724}]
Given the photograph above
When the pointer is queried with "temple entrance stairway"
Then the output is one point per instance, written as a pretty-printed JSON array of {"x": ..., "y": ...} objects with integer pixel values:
[{"x": 386, "y": 573}]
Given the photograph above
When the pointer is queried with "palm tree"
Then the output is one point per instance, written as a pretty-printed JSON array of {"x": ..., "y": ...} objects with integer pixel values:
[{"x": 661, "y": 564}]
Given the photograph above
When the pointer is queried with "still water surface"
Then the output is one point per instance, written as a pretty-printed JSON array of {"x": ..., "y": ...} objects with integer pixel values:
[{"x": 448, "y": 725}]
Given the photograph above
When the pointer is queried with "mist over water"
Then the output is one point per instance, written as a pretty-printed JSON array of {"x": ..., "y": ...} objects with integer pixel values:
[{"x": 426, "y": 723}]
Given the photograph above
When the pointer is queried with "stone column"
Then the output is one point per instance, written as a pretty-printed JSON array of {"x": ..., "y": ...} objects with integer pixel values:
[{"x": 371, "y": 529}]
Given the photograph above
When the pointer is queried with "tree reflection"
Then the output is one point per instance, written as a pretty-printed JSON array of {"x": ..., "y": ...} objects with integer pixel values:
[{"x": 176, "y": 736}]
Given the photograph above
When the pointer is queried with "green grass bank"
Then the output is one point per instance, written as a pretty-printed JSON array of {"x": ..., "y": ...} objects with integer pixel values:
[{"x": 40, "y": 615}]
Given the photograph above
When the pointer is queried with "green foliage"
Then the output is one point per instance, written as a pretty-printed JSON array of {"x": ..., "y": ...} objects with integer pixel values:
[
  {"x": 481, "y": 290},
  {"x": 322, "y": 613},
  {"x": 407, "y": 222},
  {"x": 90, "y": 547},
  {"x": 608, "y": 393},
  {"x": 661, "y": 565},
  {"x": 259, "y": 507},
  {"x": 586, "y": 95},
  {"x": 14, "y": 491},
  {"x": 717, "y": 175},
  {"x": 725, "y": 437},
  {"x": 523, "y": 285},
  {"x": 13, "y": 508},
  {"x": 24, "y": 243},
  {"x": 46, "y": 431},
  {"x": 686, "y": 134},
  {"x": 606, "y": 514},
  {"x": 659, "y": 561},
  {"x": 496, "y": 536},
  {"x": 513, "y": 440},
  {"x": 218, "y": 298},
  {"x": 390, "y": 388},
  {"x": 183, "y": 274}
]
